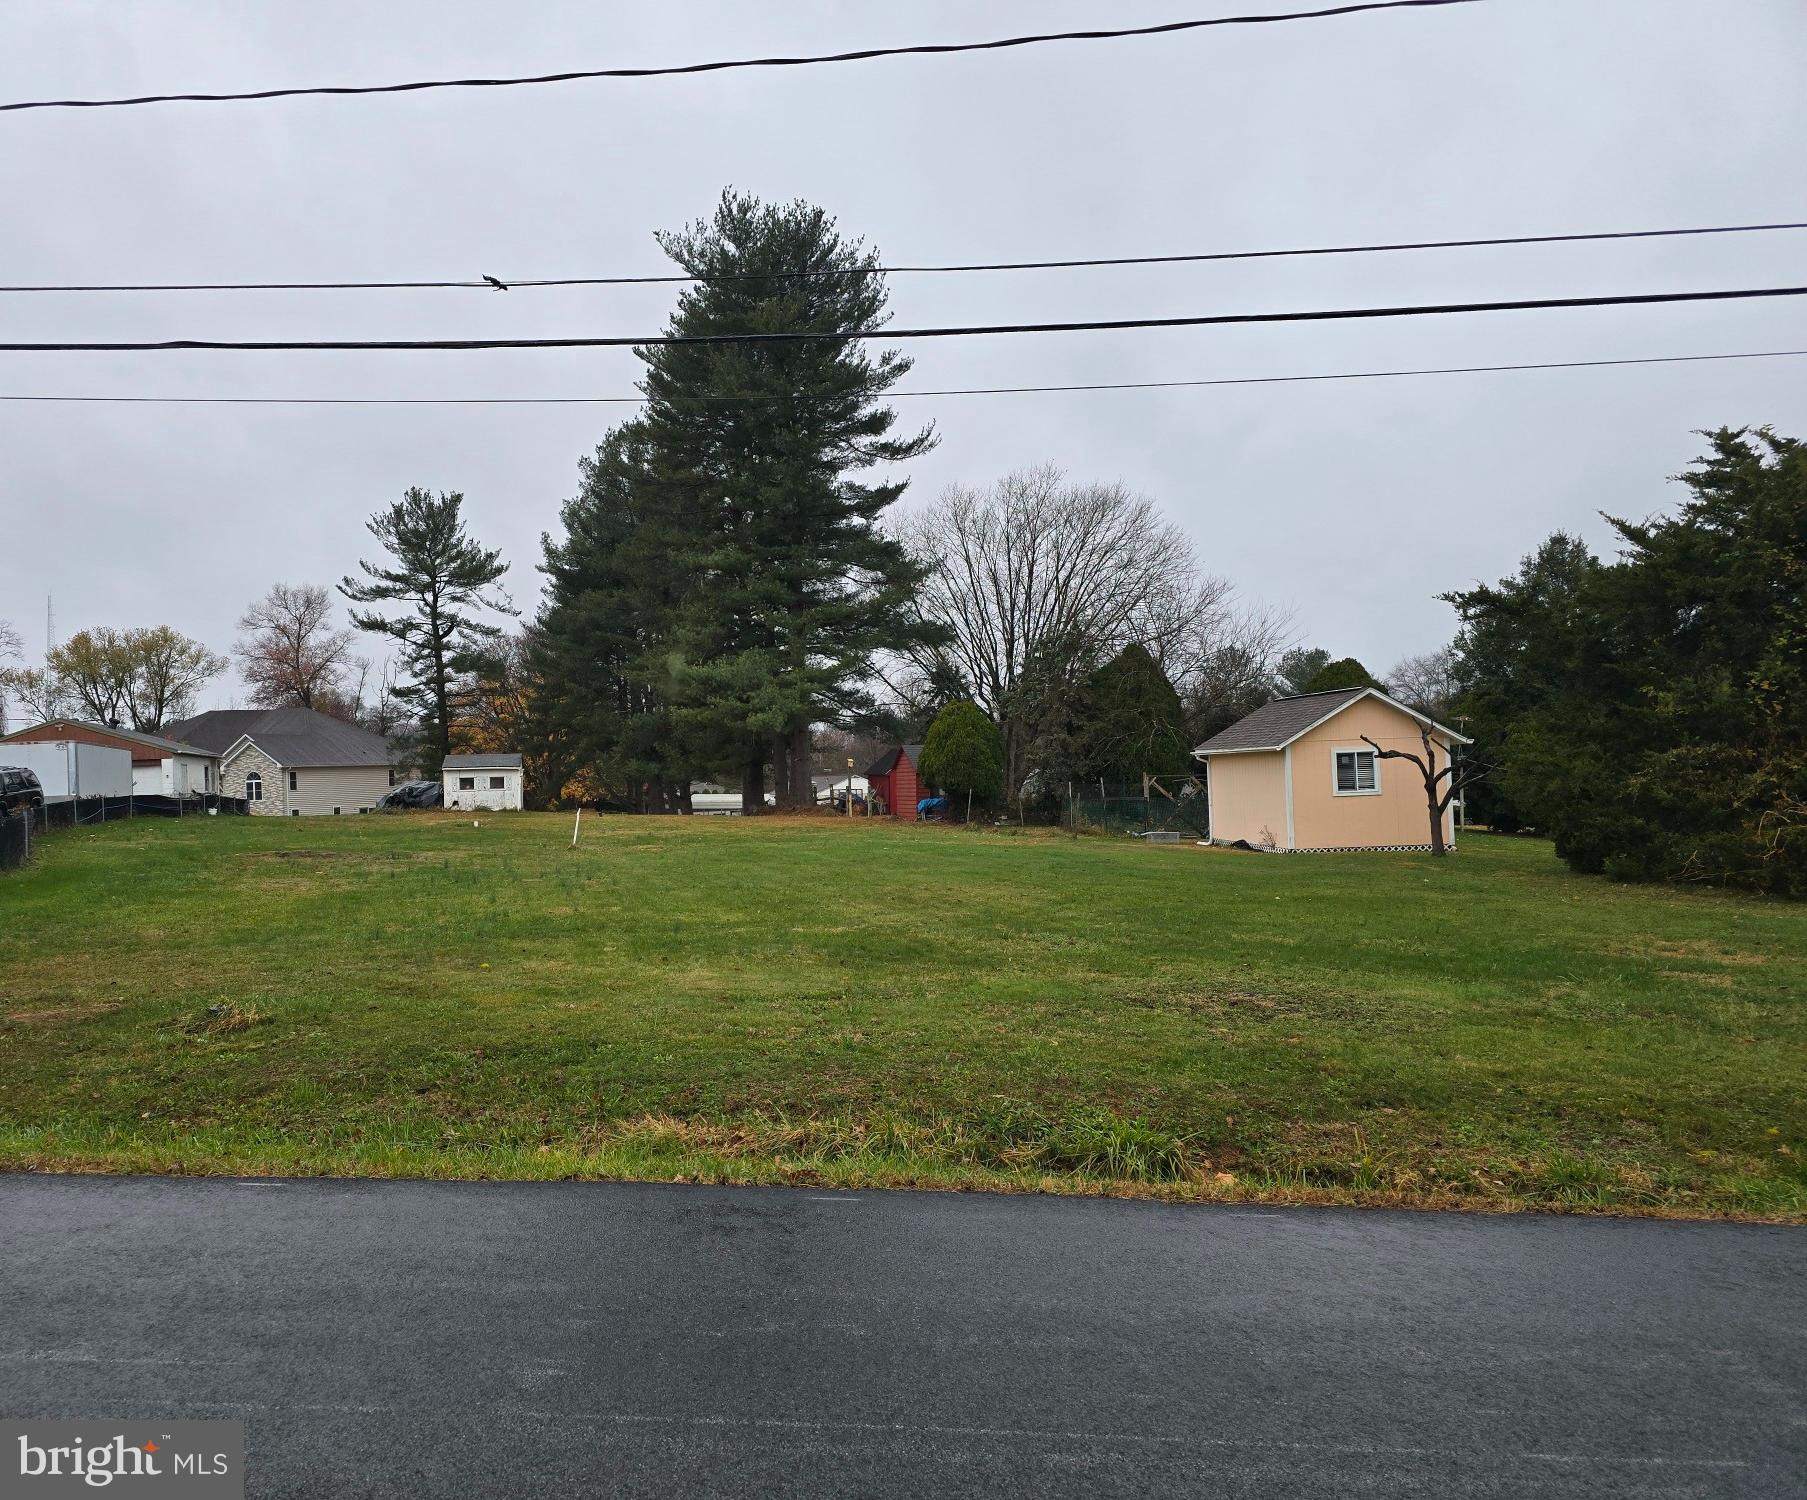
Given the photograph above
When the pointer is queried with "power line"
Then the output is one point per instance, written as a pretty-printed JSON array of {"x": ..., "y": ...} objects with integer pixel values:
[
  {"x": 863, "y": 55},
  {"x": 984, "y": 390},
  {"x": 1336, "y": 314},
  {"x": 508, "y": 283}
]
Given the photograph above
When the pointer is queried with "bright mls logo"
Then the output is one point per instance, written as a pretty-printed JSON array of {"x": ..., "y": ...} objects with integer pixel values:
[{"x": 141, "y": 1460}]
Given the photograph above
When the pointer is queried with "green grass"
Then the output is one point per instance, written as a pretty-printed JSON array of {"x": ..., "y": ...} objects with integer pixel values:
[{"x": 808, "y": 1000}]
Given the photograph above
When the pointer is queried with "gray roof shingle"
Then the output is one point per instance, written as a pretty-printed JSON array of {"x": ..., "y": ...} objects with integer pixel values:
[
  {"x": 484, "y": 760},
  {"x": 1273, "y": 724},
  {"x": 289, "y": 736}
]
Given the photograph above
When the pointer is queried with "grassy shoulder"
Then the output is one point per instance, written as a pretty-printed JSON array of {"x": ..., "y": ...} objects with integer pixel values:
[{"x": 873, "y": 1004}]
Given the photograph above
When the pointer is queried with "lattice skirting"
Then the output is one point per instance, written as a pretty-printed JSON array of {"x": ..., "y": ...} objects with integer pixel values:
[{"x": 1345, "y": 848}]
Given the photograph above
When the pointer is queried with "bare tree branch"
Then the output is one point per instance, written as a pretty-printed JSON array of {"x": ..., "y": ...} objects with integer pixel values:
[
  {"x": 1458, "y": 777},
  {"x": 1043, "y": 577},
  {"x": 290, "y": 655}
]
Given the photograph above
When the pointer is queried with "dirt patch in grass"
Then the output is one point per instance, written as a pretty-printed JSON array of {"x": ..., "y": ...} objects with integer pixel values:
[
  {"x": 1693, "y": 976},
  {"x": 223, "y": 1020},
  {"x": 356, "y": 855},
  {"x": 1697, "y": 949},
  {"x": 56, "y": 1015},
  {"x": 1251, "y": 1004}
]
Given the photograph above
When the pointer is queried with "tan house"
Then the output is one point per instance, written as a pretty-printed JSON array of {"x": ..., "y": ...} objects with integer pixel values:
[
  {"x": 291, "y": 762},
  {"x": 1299, "y": 774}
]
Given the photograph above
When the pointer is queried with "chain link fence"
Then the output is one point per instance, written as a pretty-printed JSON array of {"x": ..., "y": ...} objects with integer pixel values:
[
  {"x": 1156, "y": 804},
  {"x": 18, "y": 830}
]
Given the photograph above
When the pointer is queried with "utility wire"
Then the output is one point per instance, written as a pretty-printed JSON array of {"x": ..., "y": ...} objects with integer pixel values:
[
  {"x": 982, "y": 390},
  {"x": 863, "y": 55},
  {"x": 508, "y": 283},
  {"x": 1336, "y": 314}
]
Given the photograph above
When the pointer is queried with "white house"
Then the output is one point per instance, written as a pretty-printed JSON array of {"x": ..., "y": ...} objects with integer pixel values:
[
  {"x": 287, "y": 762},
  {"x": 489, "y": 779}
]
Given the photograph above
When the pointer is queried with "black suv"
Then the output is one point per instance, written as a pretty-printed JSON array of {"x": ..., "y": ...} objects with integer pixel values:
[{"x": 19, "y": 788}]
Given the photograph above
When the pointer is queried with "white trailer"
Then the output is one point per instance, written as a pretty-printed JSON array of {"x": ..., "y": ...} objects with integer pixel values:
[{"x": 70, "y": 768}]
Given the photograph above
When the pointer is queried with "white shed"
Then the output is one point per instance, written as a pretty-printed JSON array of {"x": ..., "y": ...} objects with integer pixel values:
[{"x": 489, "y": 779}]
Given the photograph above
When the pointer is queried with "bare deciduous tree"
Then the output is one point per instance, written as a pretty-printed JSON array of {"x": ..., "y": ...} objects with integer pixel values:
[
  {"x": 1231, "y": 671},
  {"x": 1040, "y": 579},
  {"x": 383, "y": 712},
  {"x": 1427, "y": 683},
  {"x": 1441, "y": 783},
  {"x": 1042, "y": 576},
  {"x": 290, "y": 654}
]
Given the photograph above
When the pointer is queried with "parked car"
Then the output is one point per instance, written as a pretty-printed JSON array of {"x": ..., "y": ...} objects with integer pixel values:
[
  {"x": 19, "y": 787},
  {"x": 413, "y": 794}
]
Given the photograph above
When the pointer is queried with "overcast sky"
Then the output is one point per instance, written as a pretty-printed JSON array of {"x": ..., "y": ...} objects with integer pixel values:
[{"x": 1352, "y": 504}]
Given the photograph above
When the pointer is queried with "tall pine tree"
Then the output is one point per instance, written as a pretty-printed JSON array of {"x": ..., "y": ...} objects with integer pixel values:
[
  {"x": 795, "y": 585},
  {"x": 603, "y": 646},
  {"x": 443, "y": 575}
]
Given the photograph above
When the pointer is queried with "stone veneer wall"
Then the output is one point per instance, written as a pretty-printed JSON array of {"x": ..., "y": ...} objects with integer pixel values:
[{"x": 276, "y": 781}]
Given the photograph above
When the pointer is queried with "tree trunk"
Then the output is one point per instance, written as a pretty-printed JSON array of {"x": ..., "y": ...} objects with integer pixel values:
[
  {"x": 781, "y": 773},
  {"x": 803, "y": 786},
  {"x": 1430, "y": 791},
  {"x": 752, "y": 786}
]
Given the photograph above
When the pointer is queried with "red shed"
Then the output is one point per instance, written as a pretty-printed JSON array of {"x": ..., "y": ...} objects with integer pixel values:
[{"x": 895, "y": 785}]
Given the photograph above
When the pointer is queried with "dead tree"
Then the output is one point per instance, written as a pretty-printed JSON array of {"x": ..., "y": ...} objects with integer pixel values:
[{"x": 1436, "y": 795}]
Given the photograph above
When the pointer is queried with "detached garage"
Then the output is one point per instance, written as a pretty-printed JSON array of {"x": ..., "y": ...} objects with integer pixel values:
[
  {"x": 1307, "y": 773},
  {"x": 489, "y": 779}
]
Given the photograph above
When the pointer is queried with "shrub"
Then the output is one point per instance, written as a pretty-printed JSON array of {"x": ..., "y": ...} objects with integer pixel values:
[{"x": 963, "y": 753}]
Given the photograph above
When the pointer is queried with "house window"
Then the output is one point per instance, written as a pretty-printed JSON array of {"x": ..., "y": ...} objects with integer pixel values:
[
  {"x": 392, "y": 776},
  {"x": 495, "y": 783},
  {"x": 467, "y": 783},
  {"x": 254, "y": 787},
  {"x": 336, "y": 812},
  {"x": 294, "y": 782},
  {"x": 1357, "y": 773},
  {"x": 294, "y": 812}
]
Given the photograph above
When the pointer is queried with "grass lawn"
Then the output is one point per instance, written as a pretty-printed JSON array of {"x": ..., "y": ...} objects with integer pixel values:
[{"x": 859, "y": 1004}]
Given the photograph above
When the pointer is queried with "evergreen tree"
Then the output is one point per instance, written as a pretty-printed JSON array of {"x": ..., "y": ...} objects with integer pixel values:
[
  {"x": 604, "y": 641},
  {"x": 1518, "y": 643},
  {"x": 444, "y": 575},
  {"x": 1297, "y": 667},
  {"x": 1132, "y": 722},
  {"x": 963, "y": 755},
  {"x": 796, "y": 586},
  {"x": 1674, "y": 742},
  {"x": 1344, "y": 673}
]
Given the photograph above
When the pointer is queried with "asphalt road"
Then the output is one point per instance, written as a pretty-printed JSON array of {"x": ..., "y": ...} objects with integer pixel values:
[{"x": 491, "y": 1339}]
